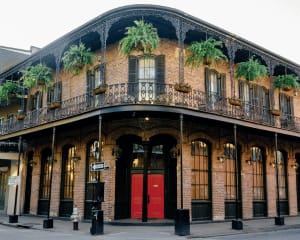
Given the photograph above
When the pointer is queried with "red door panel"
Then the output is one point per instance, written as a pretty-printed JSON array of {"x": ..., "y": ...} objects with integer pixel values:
[
  {"x": 136, "y": 195},
  {"x": 156, "y": 196}
]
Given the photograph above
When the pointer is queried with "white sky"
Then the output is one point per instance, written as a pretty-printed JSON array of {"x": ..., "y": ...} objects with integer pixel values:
[{"x": 272, "y": 24}]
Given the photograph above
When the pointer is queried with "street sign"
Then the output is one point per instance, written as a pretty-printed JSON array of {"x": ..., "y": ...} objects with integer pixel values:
[
  {"x": 13, "y": 180},
  {"x": 97, "y": 166}
]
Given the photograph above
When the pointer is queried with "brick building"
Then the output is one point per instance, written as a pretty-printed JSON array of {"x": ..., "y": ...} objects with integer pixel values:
[{"x": 163, "y": 149}]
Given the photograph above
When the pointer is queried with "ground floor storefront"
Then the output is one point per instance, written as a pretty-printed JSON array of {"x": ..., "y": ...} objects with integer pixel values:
[{"x": 150, "y": 166}]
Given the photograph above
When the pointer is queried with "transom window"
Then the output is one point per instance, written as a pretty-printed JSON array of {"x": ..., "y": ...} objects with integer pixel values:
[{"x": 200, "y": 171}]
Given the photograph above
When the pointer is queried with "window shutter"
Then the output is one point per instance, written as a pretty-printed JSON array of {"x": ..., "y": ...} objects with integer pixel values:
[
  {"x": 132, "y": 74},
  {"x": 40, "y": 99},
  {"x": 206, "y": 76},
  {"x": 88, "y": 87},
  {"x": 49, "y": 94},
  {"x": 223, "y": 85},
  {"x": 241, "y": 89},
  {"x": 160, "y": 74},
  {"x": 58, "y": 91},
  {"x": 102, "y": 73},
  {"x": 31, "y": 102}
]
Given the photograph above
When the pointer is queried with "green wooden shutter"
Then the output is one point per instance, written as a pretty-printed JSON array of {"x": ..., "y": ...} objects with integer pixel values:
[
  {"x": 58, "y": 91},
  {"x": 88, "y": 88},
  {"x": 49, "y": 94},
  {"x": 132, "y": 75},
  {"x": 160, "y": 74},
  {"x": 223, "y": 85},
  {"x": 206, "y": 77}
]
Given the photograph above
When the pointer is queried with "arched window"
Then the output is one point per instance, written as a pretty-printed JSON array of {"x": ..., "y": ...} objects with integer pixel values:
[
  {"x": 258, "y": 174},
  {"x": 230, "y": 171},
  {"x": 200, "y": 171},
  {"x": 282, "y": 183}
]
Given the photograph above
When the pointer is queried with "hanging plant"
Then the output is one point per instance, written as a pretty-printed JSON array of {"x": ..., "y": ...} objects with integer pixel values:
[
  {"x": 251, "y": 70},
  {"x": 38, "y": 75},
  {"x": 141, "y": 37},
  {"x": 77, "y": 58},
  {"x": 9, "y": 90},
  {"x": 205, "y": 52},
  {"x": 286, "y": 82}
]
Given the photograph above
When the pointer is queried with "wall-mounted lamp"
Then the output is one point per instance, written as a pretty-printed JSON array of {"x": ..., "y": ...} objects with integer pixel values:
[
  {"x": 32, "y": 163},
  {"x": 116, "y": 151},
  {"x": 76, "y": 158},
  {"x": 249, "y": 161},
  {"x": 221, "y": 159},
  {"x": 273, "y": 164},
  {"x": 295, "y": 165},
  {"x": 174, "y": 152}
]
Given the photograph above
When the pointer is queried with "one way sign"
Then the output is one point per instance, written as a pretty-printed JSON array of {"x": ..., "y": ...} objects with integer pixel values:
[{"x": 97, "y": 166}]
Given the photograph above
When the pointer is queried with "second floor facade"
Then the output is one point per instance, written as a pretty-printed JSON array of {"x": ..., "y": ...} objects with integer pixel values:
[{"x": 152, "y": 80}]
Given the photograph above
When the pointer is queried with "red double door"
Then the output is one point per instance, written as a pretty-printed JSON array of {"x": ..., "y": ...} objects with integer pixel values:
[{"x": 155, "y": 195}]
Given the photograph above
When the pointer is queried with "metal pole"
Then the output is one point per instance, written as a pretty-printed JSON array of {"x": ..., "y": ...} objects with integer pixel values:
[
  {"x": 100, "y": 143},
  {"x": 277, "y": 177},
  {"x": 51, "y": 173},
  {"x": 181, "y": 169},
  {"x": 237, "y": 175}
]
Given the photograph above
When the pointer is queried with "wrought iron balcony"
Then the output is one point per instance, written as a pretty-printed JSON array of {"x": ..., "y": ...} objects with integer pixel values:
[{"x": 154, "y": 94}]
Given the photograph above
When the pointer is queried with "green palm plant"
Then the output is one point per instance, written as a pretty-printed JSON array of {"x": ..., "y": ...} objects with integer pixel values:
[
  {"x": 9, "y": 89},
  {"x": 205, "y": 52},
  {"x": 77, "y": 57},
  {"x": 38, "y": 75},
  {"x": 286, "y": 82},
  {"x": 143, "y": 36},
  {"x": 251, "y": 70}
]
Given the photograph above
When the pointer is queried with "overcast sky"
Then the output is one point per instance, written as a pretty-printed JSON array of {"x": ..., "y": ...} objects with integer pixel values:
[{"x": 272, "y": 24}]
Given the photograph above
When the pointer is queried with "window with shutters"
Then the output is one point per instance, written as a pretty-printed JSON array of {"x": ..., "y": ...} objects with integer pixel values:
[
  {"x": 285, "y": 103},
  {"x": 255, "y": 100},
  {"x": 35, "y": 101},
  {"x": 54, "y": 93},
  {"x": 99, "y": 76},
  {"x": 146, "y": 76},
  {"x": 215, "y": 88}
]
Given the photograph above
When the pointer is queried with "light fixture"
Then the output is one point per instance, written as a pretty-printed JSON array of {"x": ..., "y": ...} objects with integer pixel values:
[
  {"x": 76, "y": 158},
  {"x": 174, "y": 152},
  {"x": 249, "y": 161},
  {"x": 147, "y": 118},
  {"x": 221, "y": 159},
  {"x": 32, "y": 163},
  {"x": 116, "y": 151},
  {"x": 295, "y": 165}
]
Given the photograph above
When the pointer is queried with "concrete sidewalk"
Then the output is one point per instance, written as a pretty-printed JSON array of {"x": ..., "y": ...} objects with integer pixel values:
[{"x": 157, "y": 231}]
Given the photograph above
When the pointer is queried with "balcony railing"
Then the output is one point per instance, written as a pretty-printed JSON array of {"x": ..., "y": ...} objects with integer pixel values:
[{"x": 154, "y": 94}]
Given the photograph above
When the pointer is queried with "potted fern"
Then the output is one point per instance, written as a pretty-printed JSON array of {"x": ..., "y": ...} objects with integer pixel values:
[
  {"x": 205, "y": 52},
  {"x": 9, "y": 90},
  {"x": 77, "y": 57},
  {"x": 251, "y": 70},
  {"x": 38, "y": 75},
  {"x": 141, "y": 37},
  {"x": 286, "y": 82}
]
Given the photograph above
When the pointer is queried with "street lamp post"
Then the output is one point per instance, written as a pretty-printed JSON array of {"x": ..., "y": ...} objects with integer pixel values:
[
  {"x": 236, "y": 223},
  {"x": 48, "y": 223},
  {"x": 182, "y": 218},
  {"x": 279, "y": 220}
]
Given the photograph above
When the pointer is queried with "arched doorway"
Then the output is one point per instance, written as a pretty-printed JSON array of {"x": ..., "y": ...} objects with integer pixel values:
[{"x": 146, "y": 178}]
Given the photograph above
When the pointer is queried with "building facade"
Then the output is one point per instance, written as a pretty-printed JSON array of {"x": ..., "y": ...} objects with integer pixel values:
[{"x": 162, "y": 149}]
